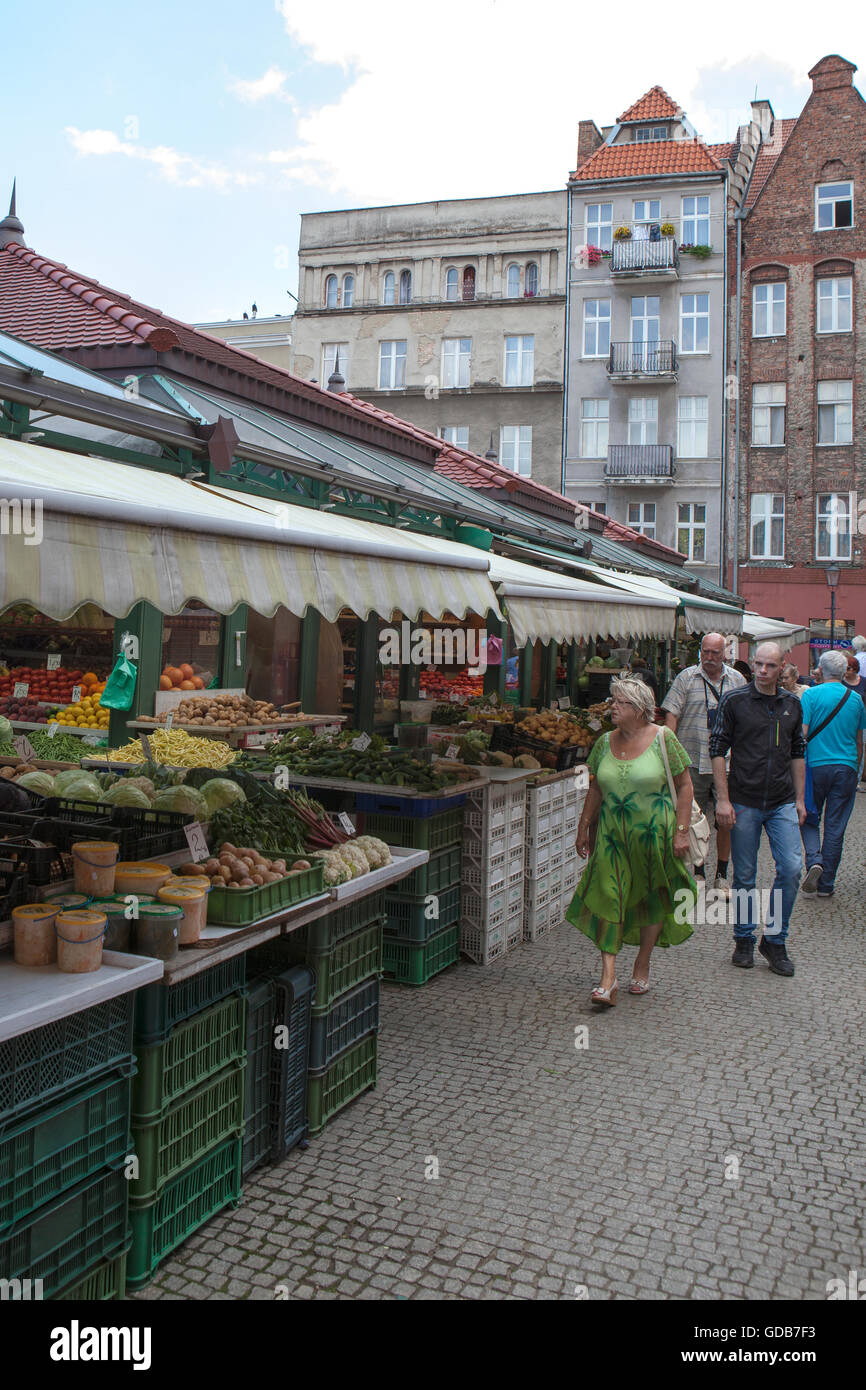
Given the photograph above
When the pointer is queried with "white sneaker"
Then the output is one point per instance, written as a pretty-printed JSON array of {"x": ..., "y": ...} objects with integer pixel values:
[
  {"x": 722, "y": 886},
  {"x": 809, "y": 886}
]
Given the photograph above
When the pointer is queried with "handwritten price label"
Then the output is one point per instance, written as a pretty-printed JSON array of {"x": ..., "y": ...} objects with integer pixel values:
[
  {"x": 361, "y": 743},
  {"x": 169, "y": 720},
  {"x": 346, "y": 823},
  {"x": 76, "y": 694},
  {"x": 594, "y": 724},
  {"x": 145, "y": 743},
  {"x": 53, "y": 663},
  {"x": 20, "y": 690},
  {"x": 564, "y": 702},
  {"x": 52, "y": 728},
  {"x": 195, "y": 838},
  {"x": 456, "y": 699},
  {"x": 452, "y": 752}
]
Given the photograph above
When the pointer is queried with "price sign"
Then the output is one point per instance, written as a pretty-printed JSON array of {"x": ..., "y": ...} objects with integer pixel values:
[
  {"x": 145, "y": 743},
  {"x": 169, "y": 720},
  {"x": 494, "y": 698},
  {"x": 24, "y": 748},
  {"x": 196, "y": 841},
  {"x": 53, "y": 663},
  {"x": 422, "y": 694},
  {"x": 20, "y": 691},
  {"x": 452, "y": 752},
  {"x": 594, "y": 724},
  {"x": 52, "y": 728},
  {"x": 360, "y": 743},
  {"x": 346, "y": 823},
  {"x": 330, "y": 729},
  {"x": 564, "y": 701},
  {"x": 76, "y": 694},
  {"x": 456, "y": 699}
]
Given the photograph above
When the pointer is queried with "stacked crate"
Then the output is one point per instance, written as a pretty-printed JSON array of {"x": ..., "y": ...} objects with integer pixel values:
[
  {"x": 491, "y": 921},
  {"x": 552, "y": 865},
  {"x": 65, "y": 1093},
  {"x": 187, "y": 1110}
]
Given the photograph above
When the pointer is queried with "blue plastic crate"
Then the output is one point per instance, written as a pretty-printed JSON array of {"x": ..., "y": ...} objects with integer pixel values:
[
  {"x": 414, "y": 806},
  {"x": 294, "y": 997}
]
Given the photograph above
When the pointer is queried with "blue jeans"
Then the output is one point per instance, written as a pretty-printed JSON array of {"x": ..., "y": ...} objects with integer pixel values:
[
  {"x": 833, "y": 788},
  {"x": 783, "y": 832}
]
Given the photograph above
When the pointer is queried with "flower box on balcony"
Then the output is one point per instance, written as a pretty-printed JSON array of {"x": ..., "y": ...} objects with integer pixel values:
[
  {"x": 667, "y": 229},
  {"x": 622, "y": 234},
  {"x": 699, "y": 251}
]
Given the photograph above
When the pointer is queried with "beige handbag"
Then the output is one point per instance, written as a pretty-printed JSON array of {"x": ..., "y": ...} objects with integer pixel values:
[{"x": 699, "y": 827}]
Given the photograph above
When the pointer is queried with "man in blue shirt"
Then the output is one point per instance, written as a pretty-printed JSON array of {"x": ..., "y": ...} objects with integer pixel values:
[{"x": 834, "y": 717}]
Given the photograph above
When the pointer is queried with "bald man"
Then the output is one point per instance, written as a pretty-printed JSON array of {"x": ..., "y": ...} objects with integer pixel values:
[{"x": 761, "y": 726}]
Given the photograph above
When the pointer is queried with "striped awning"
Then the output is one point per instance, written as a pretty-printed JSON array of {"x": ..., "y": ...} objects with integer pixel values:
[{"x": 114, "y": 535}]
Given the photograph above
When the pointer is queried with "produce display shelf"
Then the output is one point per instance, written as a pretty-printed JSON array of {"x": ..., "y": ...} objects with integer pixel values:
[
  {"x": 407, "y": 793},
  {"x": 81, "y": 730},
  {"x": 33, "y": 996},
  {"x": 406, "y": 861},
  {"x": 228, "y": 943}
]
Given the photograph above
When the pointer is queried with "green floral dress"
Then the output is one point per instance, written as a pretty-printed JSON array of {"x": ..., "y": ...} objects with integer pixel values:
[{"x": 633, "y": 875}]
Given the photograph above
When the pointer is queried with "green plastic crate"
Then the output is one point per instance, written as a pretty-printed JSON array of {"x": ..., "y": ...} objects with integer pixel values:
[
  {"x": 192, "y": 1052},
  {"x": 346, "y": 1078},
  {"x": 433, "y": 833},
  {"x": 406, "y": 913},
  {"x": 410, "y": 963},
  {"x": 106, "y": 1281},
  {"x": 335, "y": 926},
  {"x": 159, "y": 1007},
  {"x": 199, "y": 1122},
  {"x": 442, "y": 870},
  {"x": 349, "y": 1018},
  {"x": 62, "y": 1144},
  {"x": 192, "y": 1198},
  {"x": 350, "y": 963},
  {"x": 238, "y": 907},
  {"x": 63, "y": 1239}
]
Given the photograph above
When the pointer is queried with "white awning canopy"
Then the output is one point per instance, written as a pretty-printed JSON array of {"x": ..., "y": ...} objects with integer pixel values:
[{"x": 758, "y": 629}]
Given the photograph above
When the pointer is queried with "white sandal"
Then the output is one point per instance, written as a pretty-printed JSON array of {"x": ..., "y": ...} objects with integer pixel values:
[
  {"x": 605, "y": 996},
  {"x": 638, "y": 987}
]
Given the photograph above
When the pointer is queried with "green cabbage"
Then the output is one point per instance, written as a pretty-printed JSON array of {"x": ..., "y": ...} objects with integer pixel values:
[
  {"x": 6, "y": 732},
  {"x": 121, "y": 794},
  {"x": 69, "y": 775},
  {"x": 185, "y": 800},
  {"x": 220, "y": 792},
  {"x": 144, "y": 784},
  {"x": 82, "y": 788},
  {"x": 40, "y": 782}
]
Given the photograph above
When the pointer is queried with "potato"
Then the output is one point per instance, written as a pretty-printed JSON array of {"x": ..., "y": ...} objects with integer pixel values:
[
  {"x": 233, "y": 885},
  {"x": 211, "y": 866},
  {"x": 226, "y": 848},
  {"x": 225, "y": 873},
  {"x": 300, "y": 864},
  {"x": 258, "y": 879},
  {"x": 189, "y": 868},
  {"x": 279, "y": 865},
  {"x": 246, "y": 883}
]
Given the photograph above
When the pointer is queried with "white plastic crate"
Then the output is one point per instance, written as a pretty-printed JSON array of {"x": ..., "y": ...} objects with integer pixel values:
[
  {"x": 483, "y": 909},
  {"x": 554, "y": 878},
  {"x": 539, "y": 828},
  {"x": 557, "y": 800},
  {"x": 515, "y": 838},
  {"x": 539, "y": 797},
  {"x": 516, "y": 873},
  {"x": 484, "y": 840},
  {"x": 482, "y": 945},
  {"x": 487, "y": 810},
  {"x": 538, "y": 861},
  {"x": 536, "y": 894},
  {"x": 514, "y": 898},
  {"x": 514, "y": 931},
  {"x": 485, "y": 875},
  {"x": 535, "y": 922},
  {"x": 569, "y": 873},
  {"x": 556, "y": 857}
]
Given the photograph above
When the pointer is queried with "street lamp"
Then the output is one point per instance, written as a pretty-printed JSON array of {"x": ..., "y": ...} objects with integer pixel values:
[{"x": 833, "y": 573}]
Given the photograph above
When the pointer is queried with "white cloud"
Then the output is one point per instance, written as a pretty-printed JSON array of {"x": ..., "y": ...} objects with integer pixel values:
[
  {"x": 175, "y": 167},
  {"x": 270, "y": 84}
]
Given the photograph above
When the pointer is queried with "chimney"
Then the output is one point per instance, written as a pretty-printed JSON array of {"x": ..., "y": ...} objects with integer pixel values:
[
  {"x": 831, "y": 72},
  {"x": 763, "y": 116},
  {"x": 588, "y": 140},
  {"x": 11, "y": 230}
]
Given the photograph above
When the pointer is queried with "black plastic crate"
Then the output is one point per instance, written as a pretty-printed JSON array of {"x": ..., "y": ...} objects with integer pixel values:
[
  {"x": 159, "y": 1007},
  {"x": 294, "y": 998},
  {"x": 261, "y": 1015},
  {"x": 41, "y": 864},
  {"x": 348, "y": 1020},
  {"x": 37, "y": 1066},
  {"x": 507, "y": 739},
  {"x": 13, "y": 883}
]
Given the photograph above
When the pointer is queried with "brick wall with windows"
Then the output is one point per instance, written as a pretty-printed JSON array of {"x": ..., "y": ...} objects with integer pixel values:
[{"x": 801, "y": 373}]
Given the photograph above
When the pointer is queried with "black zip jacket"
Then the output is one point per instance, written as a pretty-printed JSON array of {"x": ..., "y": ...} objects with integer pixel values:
[{"x": 764, "y": 733}]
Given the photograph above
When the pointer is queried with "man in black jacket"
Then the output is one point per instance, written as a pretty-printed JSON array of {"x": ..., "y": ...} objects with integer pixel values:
[{"x": 762, "y": 725}]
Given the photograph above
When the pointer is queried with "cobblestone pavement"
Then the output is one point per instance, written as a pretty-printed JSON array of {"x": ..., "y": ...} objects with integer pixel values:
[{"x": 603, "y": 1168}]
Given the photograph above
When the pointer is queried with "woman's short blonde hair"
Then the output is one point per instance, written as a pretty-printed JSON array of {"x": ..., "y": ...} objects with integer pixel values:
[{"x": 637, "y": 693}]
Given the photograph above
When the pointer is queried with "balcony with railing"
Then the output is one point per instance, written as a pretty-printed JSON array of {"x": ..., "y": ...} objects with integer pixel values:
[
  {"x": 634, "y": 361},
  {"x": 640, "y": 463},
  {"x": 645, "y": 256}
]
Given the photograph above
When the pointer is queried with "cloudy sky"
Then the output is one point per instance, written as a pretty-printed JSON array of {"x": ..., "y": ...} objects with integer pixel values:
[{"x": 168, "y": 149}]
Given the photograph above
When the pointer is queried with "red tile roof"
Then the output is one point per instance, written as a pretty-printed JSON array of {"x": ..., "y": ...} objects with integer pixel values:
[
  {"x": 654, "y": 105},
  {"x": 767, "y": 156},
  {"x": 727, "y": 150},
  {"x": 646, "y": 157}
]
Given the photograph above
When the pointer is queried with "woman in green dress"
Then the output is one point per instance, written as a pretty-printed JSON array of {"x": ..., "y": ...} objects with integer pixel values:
[{"x": 632, "y": 889}]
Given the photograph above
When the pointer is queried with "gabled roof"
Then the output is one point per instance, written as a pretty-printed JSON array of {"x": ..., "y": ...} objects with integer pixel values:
[
  {"x": 767, "y": 156},
  {"x": 654, "y": 105},
  {"x": 638, "y": 158},
  {"x": 727, "y": 150}
]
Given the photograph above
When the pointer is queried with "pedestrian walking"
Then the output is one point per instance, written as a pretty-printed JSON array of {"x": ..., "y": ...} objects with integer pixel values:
[
  {"x": 859, "y": 645},
  {"x": 690, "y": 709},
  {"x": 636, "y": 838},
  {"x": 833, "y": 722},
  {"x": 853, "y": 678},
  {"x": 791, "y": 680},
  {"x": 761, "y": 726}
]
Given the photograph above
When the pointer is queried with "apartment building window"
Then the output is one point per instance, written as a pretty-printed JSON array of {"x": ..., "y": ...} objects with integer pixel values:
[
  {"x": 599, "y": 225},
  {"x": 692, "y": 427},
  {"x": 456, "y": 353},
  {"x": 515, "y": 448},
  {"x": 769, "y": 305},
  {"x": 392, "y": 364},
  {"x": 645, "y": 328},
  {"x": 469, "y": 283},
  {"x": 531, "y": 280},
  {"x": 834, "y": 205},
  {"x": 331, "y": 292},
  {"x": 695, "y": 323},
  {"x": 833, "y": 526},
  {"x": 834, "y": 304},
  {"x": 835, "y": 407},
  {"x": 348, "y": 291},
  {"x": 405, "y": 287},
  {"x": 512, "y": 281},
  {"x": 600, "y": 507},
  {"x": 767, "y": 527},
  {"x": 331, "y": 353},
  {"x": 452, "y": 283},
  {"x": 642, "y": 518},
  {"x": 768, "y": 414},
  {"x": 646, "y": 212},
  {"x": 457, "y": 435},
  {"x": 520, "y": 360},
  {"x": 596, "y": 328},
  {"x": 643, "y": 420},
  {"x": 388, "y": 288},
  {"x": 696, "y": 221},
  {"x": 692, "y": 530},
  {"x": 594, "y": 427},
  {"x": 651, "y": 132}
]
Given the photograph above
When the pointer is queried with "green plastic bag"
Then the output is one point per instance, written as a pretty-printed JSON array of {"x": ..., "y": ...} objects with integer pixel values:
[{"x": 120, "y": 686}]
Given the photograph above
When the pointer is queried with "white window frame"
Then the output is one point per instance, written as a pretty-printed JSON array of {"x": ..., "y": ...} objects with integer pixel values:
[
  {"x": 456, "y": 361},
  {"x": 834, "y": 512},
  {"x": 765, "y": 509},
  {"x": 832, "y": 201},
  {"x": 837, "y": 291},
  {"x": 769, "y": 409},
  {"x": 458, "y": 435},
  {"x": 332, "y": 292},
  {"x": 599, "y": 229},
  {"x": 329, "y": 358},
  {"x": 515, "y": 449},
  {"x": 766, "y": 303},
  {"x": 698, "y": 217},
  {"x": 394, "y": 378},
  {"x": 594, "y": 325},
  {"x": 389, "y": 287},
  {"x": 693, "y": 427},
  {"x": 643, "y": 420},
  {"x": 842, "y": 418},
  {"x": 348, "y": 290},
  {"x": 600, "y": 507},
  {"x": 512, "y": 281},
  {"x": 646, "y": 218},
  {"x": 651, "y": 132},
  {"x": 693, "y": 318},
  {"x": 693, "y": 526},
  {"x": 531, "y": 280},
  {"x": 519, "y": 360},
  {"x": 646, "y": 519},
  {"x": 594, "y": 427},
  {"x": 452, "y": 281}
]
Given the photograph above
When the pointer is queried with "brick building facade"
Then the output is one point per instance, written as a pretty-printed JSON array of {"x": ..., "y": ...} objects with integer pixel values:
[{"x": 797, "y": 360}]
